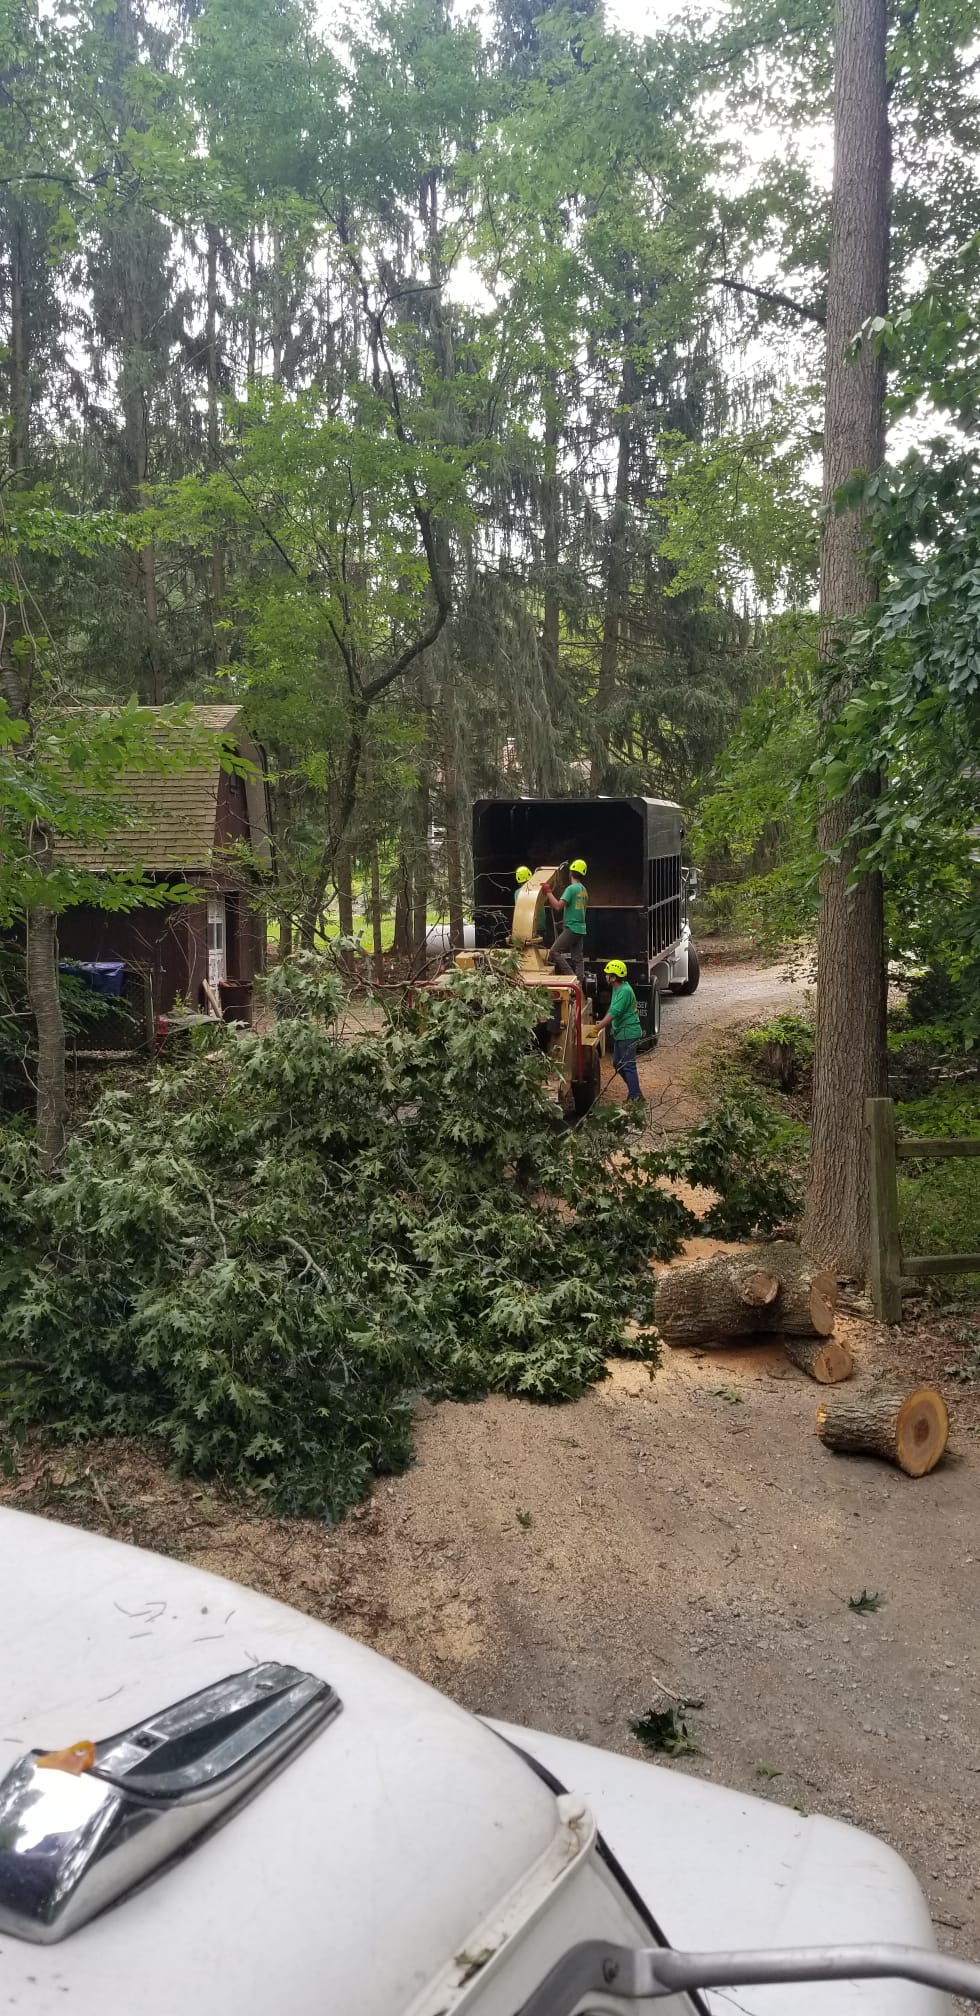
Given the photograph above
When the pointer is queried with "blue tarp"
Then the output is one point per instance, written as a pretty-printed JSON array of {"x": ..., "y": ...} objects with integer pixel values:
[{"x": 104, "y": 976}]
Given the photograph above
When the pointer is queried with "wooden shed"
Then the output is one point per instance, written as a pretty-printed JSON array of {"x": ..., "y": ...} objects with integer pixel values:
[{"x": 185, "y": 827}]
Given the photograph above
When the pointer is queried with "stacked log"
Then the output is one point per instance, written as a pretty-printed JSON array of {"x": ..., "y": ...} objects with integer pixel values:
[
  {"x": 710, "y": 1301},
  {"x": 770, "y": 1289}
]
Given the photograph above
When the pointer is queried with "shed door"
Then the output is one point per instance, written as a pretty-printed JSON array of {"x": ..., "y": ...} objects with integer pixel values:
[{"x": 217, "y": 941}]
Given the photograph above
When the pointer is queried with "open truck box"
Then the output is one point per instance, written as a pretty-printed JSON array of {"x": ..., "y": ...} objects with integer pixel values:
[{"x": 635, "y": 882}]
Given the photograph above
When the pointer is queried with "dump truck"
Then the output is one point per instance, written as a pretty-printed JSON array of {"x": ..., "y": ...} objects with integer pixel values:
[
  {"x": 639, "y": 888},
  {"x": 210, "y": 1802}
]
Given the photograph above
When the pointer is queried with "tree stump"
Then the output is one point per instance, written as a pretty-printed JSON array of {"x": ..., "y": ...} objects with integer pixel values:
[
  {"x": 824, "y": 1358},
  {"x": 908, "y": 1428},
  {"x": 711, "y": 1301}
]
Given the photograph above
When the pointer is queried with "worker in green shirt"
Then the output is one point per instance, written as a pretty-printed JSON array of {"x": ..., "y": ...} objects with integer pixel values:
[
  {"x": 567, "y": 954},
  {"x": 625, "y": 1024}
]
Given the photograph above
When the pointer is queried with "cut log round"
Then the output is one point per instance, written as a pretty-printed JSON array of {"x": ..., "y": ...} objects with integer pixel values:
[
  {"x": 909, "y": 1428},
  {"x": 808, "y": 1296},
  {"x": 710, "y": 1301},
  {"x": 822, "y": 1357}
]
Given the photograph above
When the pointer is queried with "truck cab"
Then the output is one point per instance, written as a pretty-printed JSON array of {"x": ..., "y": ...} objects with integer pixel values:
[{"x": 209, "y": 1802}]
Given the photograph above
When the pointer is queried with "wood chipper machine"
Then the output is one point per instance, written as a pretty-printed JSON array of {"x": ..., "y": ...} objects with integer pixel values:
[{"x": 568, "y": 1035}]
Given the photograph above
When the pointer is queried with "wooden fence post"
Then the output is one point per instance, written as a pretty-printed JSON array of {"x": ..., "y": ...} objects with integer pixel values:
[{"x": 885, "y": 1260}]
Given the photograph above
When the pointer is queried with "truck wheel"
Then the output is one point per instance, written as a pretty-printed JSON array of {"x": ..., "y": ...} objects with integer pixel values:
[
  {"x": 690, "y": 985},
  {"x": 585, "y": 1090}
]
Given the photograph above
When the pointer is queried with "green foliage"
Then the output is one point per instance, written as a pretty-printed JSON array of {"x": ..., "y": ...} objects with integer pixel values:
[
  {"x": 966, "y": 1370},
  {"x": 742, "y": 509},
  {"x": 82, "y": 1009},
  {"x": 939, "y": 1202},
  {"x": 752, "y": 1157},
  {"x": 20, "y": 1234},
  {"x": 259, "y": 1257},
  {"x": 757, "y": 811},
  {"x": 665, "y": 1731},
  {"x": 865, "y": 1604},
  {"x": 780, "y": 1051},
  {"x": 60, "y": 770},
  {"x": 914, "y": 717},
  {"x": 934, "y": 997}
]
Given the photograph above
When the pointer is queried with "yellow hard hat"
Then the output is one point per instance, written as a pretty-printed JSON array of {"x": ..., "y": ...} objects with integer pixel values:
[
  {"x": 615, "y": 968},
  {"x": 523, "y": 875},
  {"x": 577, "y": 868}
]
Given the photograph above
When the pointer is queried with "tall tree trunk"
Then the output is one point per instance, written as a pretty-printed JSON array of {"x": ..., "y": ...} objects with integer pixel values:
[
  {"x": 43, "y": 984},
  {"x": 137, "y": 445},
  {"x": 420, "y": 858},
  {"x": 20, "y": 372},
  {"x": 551, "y": 605},
  {"x": 440, "y": 329},
  {"x": 617, "y": 580},
  {"x": 850, "y": 1057},
  {"x": 214, "y": 439},
  {"x": 123, "y": 28},
  {"x": 345, "y": 892},
  {"x": 376, "y": 912},
  {"x": 44, "y": 993},
  {"x": 402, "y": 942},
  {"x": 278, "y": 315},
  {"x": 454, "y": 817},
  {"x": 253, "y": 313}
]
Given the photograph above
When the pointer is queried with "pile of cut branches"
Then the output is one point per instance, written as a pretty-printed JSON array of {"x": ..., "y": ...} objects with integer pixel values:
[{"x": 261, "y": 1256}]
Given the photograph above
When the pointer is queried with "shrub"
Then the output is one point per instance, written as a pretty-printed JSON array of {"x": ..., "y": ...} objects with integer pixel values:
[
  {"x": 780, "y": 1052},
  {"x": 939, "y": 1202},
  {"x": 752, "y": 1157},
  {"x": 934, "y": 996},
  {"x": 259, "y": 1256}
]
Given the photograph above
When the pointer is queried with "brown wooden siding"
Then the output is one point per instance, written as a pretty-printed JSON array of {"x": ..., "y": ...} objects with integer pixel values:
[
  {"x": 231, "y": 819},
  {"x": 163, "y": 942}
]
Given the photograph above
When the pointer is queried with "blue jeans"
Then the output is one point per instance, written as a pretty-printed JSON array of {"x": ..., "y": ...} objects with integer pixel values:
[{"x": 624, "y": 1061}]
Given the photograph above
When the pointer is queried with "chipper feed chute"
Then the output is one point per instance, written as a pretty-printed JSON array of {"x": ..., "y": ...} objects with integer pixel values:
[{"x": 529, "y": 914}]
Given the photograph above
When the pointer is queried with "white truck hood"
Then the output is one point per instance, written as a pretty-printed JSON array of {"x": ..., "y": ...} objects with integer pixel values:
[
  {"x": 720, "y": 1869},
  {"x": 355, "y": 1876},
  {"x": 346, "y": 1883}
]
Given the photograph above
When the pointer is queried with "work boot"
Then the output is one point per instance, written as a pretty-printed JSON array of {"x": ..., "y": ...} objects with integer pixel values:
[{"x": 637, "y": 1109}]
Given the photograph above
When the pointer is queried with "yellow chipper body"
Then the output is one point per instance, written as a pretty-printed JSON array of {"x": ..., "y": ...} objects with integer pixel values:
[{"x": 569, "y": 1036}]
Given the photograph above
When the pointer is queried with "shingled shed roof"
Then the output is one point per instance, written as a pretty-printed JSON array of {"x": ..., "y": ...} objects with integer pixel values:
[{"x": 174, "y": 814}]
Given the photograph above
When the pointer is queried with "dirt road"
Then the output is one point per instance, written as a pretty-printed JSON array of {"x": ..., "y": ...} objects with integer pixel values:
[
  {"x": 561, "y": 1567},
  {"x": 728, "y": 994}
]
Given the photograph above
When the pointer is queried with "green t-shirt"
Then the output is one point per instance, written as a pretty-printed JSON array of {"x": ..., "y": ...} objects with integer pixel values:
[
  {"x": 575, "y": 901},
  {"x": 626, "y": 1024}
]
